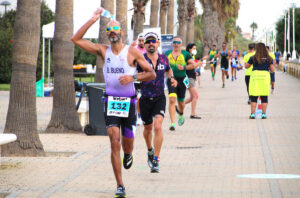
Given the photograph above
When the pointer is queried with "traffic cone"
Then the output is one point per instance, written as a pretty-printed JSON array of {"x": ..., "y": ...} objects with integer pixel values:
[{"x": 258, "y": 110}]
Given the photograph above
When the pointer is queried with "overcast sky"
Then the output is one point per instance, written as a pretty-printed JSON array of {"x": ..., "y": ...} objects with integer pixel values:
[{"x": 264, "y": 12}]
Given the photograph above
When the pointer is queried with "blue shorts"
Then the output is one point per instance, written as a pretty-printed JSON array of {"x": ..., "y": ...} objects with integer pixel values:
[
  {"x": 272, "y": 77},
  {"x": 198, "y": 71}
]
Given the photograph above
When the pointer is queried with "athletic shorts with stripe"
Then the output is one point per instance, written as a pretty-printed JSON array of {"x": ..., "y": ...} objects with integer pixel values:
[
  {"x": 178, "y": 91},
  {"x": 127, "y": 125}
]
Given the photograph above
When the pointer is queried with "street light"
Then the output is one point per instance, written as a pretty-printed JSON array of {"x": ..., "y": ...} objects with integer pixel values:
[
  {"x": 5, "y": 3},
  {"x": 294, "y": 51},
  {"x": 284, "y": 52}
]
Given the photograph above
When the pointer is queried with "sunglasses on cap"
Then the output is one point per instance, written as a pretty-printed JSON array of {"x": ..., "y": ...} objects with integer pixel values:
[
  {"x": 113, "y": 28},
  {"x": 177, "y": 42},
  {"x": 148, "y": 41}
]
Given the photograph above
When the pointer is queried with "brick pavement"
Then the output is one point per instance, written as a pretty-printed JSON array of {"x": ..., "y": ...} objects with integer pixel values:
[{"x": 200, "y": 159}]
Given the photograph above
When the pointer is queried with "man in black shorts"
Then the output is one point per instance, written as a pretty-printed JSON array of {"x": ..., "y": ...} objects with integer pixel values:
[
  {"x": 225, "y": 55},
  {"x": 153, "y": 100}
]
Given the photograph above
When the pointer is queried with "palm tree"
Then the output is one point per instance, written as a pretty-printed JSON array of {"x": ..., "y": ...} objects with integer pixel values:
[
  {"x": 163, "y": 15},
  {"x": 154, "y": 13},
  {"x": 198, "y": 27},
  {"x": 230, "y": 29},
  {"x": 238, "y": 29},
  {"x": 108, "y": 5},
  {"x": 215, "y": 13},
  {"x": 253, "y": 26},
  {"x": 22, "y": 116},
  {"x": 170, "y": 20},
  {"x": 64, "y": 117},
  {"x": 182, "y": 20},
  {"x": 190, "y": 21},
  {"x": 138, "y": 16},
  {"x": 121, "y": 16}
]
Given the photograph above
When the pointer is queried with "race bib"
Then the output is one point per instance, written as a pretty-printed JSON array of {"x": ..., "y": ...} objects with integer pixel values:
[
  {"x": 118, "y": 106},
  {"x": 186, "y": 82}
]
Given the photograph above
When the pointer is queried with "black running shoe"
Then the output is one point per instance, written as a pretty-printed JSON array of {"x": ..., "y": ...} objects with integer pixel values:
[
  {"x": 155, "y": 166},
  {"x": 120, "y": 192},
  {"x": 252, "y": 116},
  {"x": 150, "y": 158},
  {"x": 127, "y": 161}
]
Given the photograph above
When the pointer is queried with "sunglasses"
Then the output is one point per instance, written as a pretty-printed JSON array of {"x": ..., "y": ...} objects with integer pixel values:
[
  {"x": 150, "y": 41},
  {"x": 177, "y": 42},
  {"x": 112, "y": 28}
]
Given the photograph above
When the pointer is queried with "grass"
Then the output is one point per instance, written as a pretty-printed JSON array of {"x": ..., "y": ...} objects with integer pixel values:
[{"x": 4, "y": 87}]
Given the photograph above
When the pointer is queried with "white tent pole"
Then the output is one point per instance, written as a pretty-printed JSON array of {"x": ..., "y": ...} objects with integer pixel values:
[
  {"x": 43, "y": 71},
  {"x": 49, "y": 60}
]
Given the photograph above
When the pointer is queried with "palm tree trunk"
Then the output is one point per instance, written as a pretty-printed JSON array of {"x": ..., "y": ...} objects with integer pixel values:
[
  {"x": 138, "y": 17},
  {"x": 22, "y": 116},
  {"x": 64, "y": 117},
  {"x": 154, "y": 13},
  {"x": 163, "y": 15},
  {"x": 213, "y": 32},
  {"x": 170, "y": 23},
  {"x": 110, "y": 6},
  {"x": 190, "y": 21},
  {"x": 182, "y": 20},
  {"x": 121, "y": 16}
]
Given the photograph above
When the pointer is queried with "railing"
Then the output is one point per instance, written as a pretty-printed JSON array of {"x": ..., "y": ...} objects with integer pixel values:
[{"x": 291, "y": 67}]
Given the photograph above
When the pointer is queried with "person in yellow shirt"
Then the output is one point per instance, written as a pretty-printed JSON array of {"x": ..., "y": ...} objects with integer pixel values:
[
  {"x": 272, "y": 73},
  {"x": 251, "y": 52}
]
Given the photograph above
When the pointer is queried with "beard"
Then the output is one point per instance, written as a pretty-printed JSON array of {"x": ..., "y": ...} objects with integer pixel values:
[
  {"x": 151, "y": 50},
  {"x": 114, "y": 38}
]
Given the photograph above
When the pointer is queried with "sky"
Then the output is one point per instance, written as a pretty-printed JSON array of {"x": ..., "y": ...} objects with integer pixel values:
[{"x": 265, "y": 13}]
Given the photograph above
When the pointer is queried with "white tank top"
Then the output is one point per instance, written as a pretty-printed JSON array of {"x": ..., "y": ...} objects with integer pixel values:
[{"x": 114, "y": 67}]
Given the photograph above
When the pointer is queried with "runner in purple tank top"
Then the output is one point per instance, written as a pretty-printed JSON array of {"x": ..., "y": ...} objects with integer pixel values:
[{"x": 119, "y": 72}]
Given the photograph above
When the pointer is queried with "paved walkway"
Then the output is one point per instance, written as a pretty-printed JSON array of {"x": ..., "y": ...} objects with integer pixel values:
[{"x": 200, "y": 159}]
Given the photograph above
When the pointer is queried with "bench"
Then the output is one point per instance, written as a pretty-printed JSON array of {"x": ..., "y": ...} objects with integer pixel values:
[{"x": 6, "y": 138}]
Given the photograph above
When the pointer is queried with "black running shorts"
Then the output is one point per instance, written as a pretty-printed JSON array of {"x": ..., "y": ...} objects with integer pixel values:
[
  {"x": 150, "y": 107},
  {"x": 127, "y": 125},
  {"x": 178, "y": 91}
]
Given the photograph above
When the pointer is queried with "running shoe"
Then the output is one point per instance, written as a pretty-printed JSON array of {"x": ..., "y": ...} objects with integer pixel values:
[
  {"x": 252, "y": 116},
  {"x": 127, "y": 161},
  {"x": 155, "y": 167},
  {"x": 232, "y": 79},
  {"x": 181, "y": 120},
  {"x": 263, "y": 116},
  {"x": 120, "y": 192},
  {"x": 235, "y": 78},
  {"x": 227, "y": 77},
  {"x": 150, "y": 158},
  {"x": 195, "y": 117},
  {"x": 223, "y": 86},
  {"x": 172, "y": 127}
]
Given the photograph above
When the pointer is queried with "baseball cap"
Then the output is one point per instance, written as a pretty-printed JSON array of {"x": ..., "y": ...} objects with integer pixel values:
[
  {"x": 151, "y": 35},
  {"x": 141, "y": 36}
]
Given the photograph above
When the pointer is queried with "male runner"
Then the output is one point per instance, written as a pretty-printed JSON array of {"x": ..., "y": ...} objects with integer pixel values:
[
  {"x": 119, "y": 72},
  {"x": 225, "y": 54},
  {"x": 213, "y": 60},
  {"x": 234, "y": 62},
  {"x": 180, "y": 61},
  {"x": 272, "y": 73},
  {"x": 153, "y": 100},
  {"x": 248, "y": 71}
]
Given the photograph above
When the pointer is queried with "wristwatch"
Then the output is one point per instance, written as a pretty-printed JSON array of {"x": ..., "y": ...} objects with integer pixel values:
[
  {"x": 171, "y": 77},
  {"x": 135, "y": 77}
]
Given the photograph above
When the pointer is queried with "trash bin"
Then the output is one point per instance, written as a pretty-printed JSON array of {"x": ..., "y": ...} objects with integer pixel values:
[{"x": 96, "y": 124}]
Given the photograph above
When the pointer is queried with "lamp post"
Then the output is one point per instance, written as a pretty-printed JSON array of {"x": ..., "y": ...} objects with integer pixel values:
[
  {"x": 284, "y": 52},
  {"x": 5, "y": 4},
  {"x": 289, "y": 32},
  {"x": 294, "y": 51}
]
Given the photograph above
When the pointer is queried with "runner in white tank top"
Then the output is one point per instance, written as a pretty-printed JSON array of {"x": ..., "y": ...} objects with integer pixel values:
[{"x": 119, "y": 75}]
